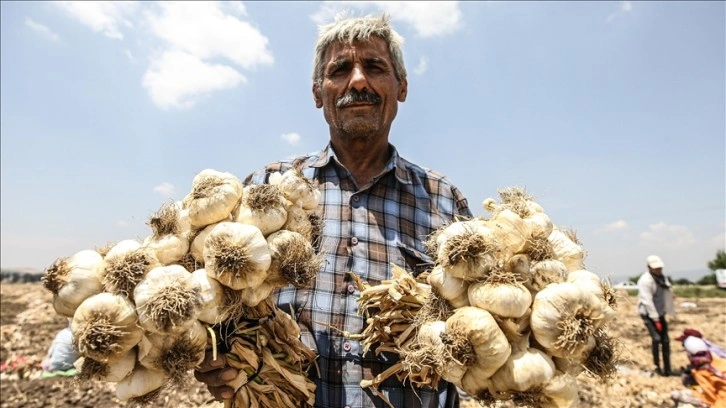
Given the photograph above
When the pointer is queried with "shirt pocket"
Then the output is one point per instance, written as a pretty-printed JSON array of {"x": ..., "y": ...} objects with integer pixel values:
[{"x": 414, "y": 260}]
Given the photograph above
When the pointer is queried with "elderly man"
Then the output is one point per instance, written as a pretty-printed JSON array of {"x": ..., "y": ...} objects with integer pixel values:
[{"x": 378, "y": 209}]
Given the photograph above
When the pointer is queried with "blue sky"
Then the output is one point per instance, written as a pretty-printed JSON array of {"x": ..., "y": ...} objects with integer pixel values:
[{"x": 610, "y": 113}]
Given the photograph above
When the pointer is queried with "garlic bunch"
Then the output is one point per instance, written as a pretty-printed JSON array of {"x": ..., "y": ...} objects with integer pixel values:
[
  {"x": 263, "y": 206},
  {"x": 171, "y": 227}
]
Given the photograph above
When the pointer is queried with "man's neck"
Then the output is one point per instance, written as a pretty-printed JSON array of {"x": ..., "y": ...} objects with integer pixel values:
[{"x": 364, "y": 159}]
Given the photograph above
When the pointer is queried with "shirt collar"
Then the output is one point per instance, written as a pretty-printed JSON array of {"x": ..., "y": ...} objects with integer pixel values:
[{"x": 395, "y": 162}]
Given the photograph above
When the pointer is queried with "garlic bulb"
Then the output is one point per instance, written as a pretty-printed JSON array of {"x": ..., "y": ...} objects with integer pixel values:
[
  {"x": 236, "y": 255},
  {"x": 474, "y": 338},
  {"x": 253, "y": 296},
  {"x": 111, "y": 371},
  {"x": 447, "y": 286},
  {"x": 264, "y": 207},
  {"x": 505, "y": 300},
  {"x": 294, "y": 261},
  {"x": 167, "y": 300},
  {"x": 171, "y": 227},
  {"x": 510, "y": 231},
  {"x": 104, "y": 327},
  {"x": 475, "y": 382},
  {"x": 467, "y": 250},
  {"x": 545, "y": 272},
  {"x": 212, "y": 296},
  {"x": 566, "y": 250},
  {"x": 168, "y": 248},
  {"x": 174, "y": 355},
  {"x": 298, "y": 221},
  {"x": 560, "y": 392},
  {"x": 72, "y": 280},
  {"x": 213, "y": 197},
  {"x": 142, "y": 385},
  {"x": 428, "y": 337},
  {"x": 197, "y": 246},
  {"x": 539, "y": 225},
  {"x": 565, "y": 317},
  {"x": 523, "y": 370},
  {"x": 297, "y": 188},
  {"x": 125, "y": 265}
]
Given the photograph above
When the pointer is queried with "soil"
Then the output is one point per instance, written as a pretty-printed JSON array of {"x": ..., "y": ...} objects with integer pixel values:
[{"x": 29, "y": 324}]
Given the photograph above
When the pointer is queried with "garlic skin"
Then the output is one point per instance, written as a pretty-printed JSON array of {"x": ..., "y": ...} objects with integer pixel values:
[
  {"x": 560, "y": 392},
  {"x": 263, "y": 206},
  {"x": 523, "y": 370},
  {"x": 167, "y": 300},
  {"x": 125, "y": 266},
  {"x": 293, "y": 260},
  {"x": 545, "y": 272},
  {"x": 141, "y": 382},
  {"x": 213, "y": 197},
  {"x": 298, "y": 221},
  {"x": 565, "y": 317},
  {"x": 471, "y": 327},
  {"x": 211, "y": 294},
  {"x": 297, "y": 188},
  {"x": 197, "y": 247},
  {"x": 510, "y": 232},
  {"x": 475, "y": 381},
  {"x": 104, "y": 327},
  {"x": 253, "y": 296},
  {"x": 467, "y": 250},
  {"x": 566, "y": 250},
  {"x": 112, "y": 371},
  {"x": 429, "y": 337},
  {"x": 168, "y": 248},
  {"x": 447, "y": 286},
  {"x": 73, "y": 280},
  {"x": 174, "y": 355},
  {"x": 505, "y": 300},
  {"x": 236, "y": 255}
]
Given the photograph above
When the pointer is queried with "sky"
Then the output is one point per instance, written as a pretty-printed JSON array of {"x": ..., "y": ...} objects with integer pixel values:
[{"x": 610, "y": 114}]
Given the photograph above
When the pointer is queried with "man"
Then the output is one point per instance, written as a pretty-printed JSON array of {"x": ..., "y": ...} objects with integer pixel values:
[
  {"x": 705, "y": 376},
  {"x": 655, "y": 301},
  {"x": 377, "y": 210}
]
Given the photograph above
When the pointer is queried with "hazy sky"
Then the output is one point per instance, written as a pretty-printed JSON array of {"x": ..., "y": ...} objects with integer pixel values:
[{"x": 610, "y": 113}]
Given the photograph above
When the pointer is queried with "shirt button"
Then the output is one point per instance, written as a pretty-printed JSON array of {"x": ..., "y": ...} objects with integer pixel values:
[
  {"x": 351, "y": 289},
  {"x": 346, "y": 346},
  {"x": 354, "y": 241},
  {"x": 356, "y": 198}
]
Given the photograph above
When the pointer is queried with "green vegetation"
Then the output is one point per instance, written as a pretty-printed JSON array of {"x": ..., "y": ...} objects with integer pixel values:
[
  {"x": 719, "y": 262},
  {"x": 692, "y": 291}
]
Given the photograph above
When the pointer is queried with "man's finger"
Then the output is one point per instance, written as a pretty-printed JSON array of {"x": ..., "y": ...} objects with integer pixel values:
[
  {"x": 209, "y": 364},
  {"x": 216, "y": 378},
  {"x": 221, "y": 393}
]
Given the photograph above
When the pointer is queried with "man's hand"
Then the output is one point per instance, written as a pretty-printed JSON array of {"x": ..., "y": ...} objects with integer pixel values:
[
  {"x": 658, "y": 326},
  {"x": 216, "y": 374}
]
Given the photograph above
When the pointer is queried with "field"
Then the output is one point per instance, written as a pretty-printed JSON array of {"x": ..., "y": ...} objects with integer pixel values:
[{"x": 28, "y": 325}]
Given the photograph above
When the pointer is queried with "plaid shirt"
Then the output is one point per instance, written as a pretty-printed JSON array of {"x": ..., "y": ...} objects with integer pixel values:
[{"x": 365, "y": 230}]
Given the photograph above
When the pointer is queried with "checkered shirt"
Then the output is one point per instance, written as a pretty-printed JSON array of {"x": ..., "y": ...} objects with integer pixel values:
[{"x": 365, "y": 230}]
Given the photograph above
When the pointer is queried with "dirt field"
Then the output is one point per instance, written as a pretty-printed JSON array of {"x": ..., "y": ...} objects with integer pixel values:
[{"x": 28, "y": 325}]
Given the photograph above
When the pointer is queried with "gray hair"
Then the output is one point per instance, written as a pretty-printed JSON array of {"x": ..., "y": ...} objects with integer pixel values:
[{"x": 359, "y": 29}]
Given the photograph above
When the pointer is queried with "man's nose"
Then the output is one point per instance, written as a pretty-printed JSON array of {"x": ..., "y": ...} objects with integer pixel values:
[{"x": 358, "y": 79}]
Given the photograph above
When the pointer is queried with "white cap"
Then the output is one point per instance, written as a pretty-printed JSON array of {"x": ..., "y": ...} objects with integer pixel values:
[
  {"x": 654, "y": 262},
  {"x": 693, "y": 345}
]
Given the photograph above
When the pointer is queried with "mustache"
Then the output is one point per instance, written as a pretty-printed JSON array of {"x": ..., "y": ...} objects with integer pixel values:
[{"x": 353, "y": 96}]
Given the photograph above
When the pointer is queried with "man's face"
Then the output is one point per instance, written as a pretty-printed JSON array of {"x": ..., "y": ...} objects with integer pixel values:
[
  {"x": 656, "y": 271},
  {"x": 359, "y": 92}
]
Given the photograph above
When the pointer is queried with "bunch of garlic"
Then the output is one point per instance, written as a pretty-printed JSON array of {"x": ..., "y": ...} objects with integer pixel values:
[
  {"x": 144, "y": 312},
  {"x": 525, "y": 316}
]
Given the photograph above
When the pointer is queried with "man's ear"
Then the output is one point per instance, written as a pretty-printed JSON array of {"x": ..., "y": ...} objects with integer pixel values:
[
  {"x": 403, "y": 91},
  {"x": 316, "y": 96}
]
